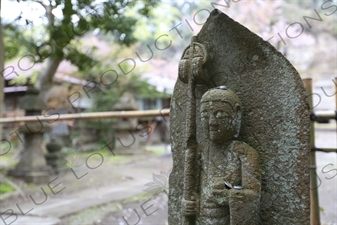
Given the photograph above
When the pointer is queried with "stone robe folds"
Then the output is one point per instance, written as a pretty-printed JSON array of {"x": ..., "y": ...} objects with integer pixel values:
[{"x": 239, "y": 165}]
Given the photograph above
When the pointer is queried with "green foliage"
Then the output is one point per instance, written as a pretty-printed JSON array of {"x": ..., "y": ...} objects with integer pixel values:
[
  {"x": 107, "y": 96},
  {"x": 22, "y": 80},
  {"x": 164, "y": 17},
  {"x": 76, "y": 57},
  {"x": 59, "y": 36},
  {"x": 12, "y": 48},
  {"x": 113, "y": 84},
  {"x": 4, "y": 188}
]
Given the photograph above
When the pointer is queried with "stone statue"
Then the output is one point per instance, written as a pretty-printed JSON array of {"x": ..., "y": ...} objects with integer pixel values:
[
  {"x": 216, "y": 178},
  {"x": 230, "y": 176},
  {"x": 229, "y": 182}
]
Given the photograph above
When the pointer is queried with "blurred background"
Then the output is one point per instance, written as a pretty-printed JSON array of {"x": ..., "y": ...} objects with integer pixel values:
[{"x": 122, "y": 55}]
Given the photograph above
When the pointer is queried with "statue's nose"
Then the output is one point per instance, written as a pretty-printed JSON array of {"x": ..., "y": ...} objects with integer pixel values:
[{"x": 212, "y": 120}]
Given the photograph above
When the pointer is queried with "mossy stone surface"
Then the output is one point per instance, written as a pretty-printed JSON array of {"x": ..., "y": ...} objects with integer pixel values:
[{"x": 275, "y": 119}]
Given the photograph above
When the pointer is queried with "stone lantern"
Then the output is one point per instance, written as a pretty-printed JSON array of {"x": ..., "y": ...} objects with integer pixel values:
[
  {"x": 32, "y": 165},
  {"x": 55, "y": 157},
  {"x": 127, "y": 138}
]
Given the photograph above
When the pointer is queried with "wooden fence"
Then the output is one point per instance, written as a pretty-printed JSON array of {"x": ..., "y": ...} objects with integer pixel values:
[{"x": 314, "y": 117}]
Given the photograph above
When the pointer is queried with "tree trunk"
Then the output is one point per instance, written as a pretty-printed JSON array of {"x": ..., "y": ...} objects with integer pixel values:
[
  {"x": 45, "y": 79},
  {"x": 2, "y": 79}
]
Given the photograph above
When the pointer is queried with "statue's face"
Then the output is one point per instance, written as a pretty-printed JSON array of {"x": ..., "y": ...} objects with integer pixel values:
[{"x": 219, "y": 121}]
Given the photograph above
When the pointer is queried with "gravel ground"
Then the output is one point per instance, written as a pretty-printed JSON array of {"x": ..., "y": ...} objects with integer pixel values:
[{"x": 152, "y": 211}]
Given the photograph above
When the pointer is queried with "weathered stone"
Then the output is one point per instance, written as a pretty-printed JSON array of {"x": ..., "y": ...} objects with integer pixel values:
[
  {"x": 127, "y": 140},
  {"x": 127, "y": 102},
  {"x": 274, "y": 124},
  {"x": 55, "y": 158},
  {"x": 31, "y": 101},
  {"x": 32, "y": 166}
]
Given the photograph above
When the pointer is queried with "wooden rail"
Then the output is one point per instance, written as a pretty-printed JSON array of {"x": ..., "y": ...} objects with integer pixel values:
[
  {"x": 328, "y": 115},
  {"x": 86, "y": 116},
  {"x": 316, "y": 116}
]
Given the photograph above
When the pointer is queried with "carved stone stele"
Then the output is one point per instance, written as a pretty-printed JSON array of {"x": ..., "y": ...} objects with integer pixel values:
[{"x": 273, "y": 134}]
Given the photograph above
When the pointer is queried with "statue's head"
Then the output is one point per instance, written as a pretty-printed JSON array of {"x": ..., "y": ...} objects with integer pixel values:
[{"x": 221, "y": 114}]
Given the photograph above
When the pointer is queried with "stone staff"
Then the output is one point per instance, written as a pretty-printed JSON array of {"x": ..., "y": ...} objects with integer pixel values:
[{"x": 191, "y": 72}]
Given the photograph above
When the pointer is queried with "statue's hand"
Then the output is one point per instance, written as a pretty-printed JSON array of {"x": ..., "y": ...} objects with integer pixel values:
[
  {"x": 242, "y": 194},
  {"x": 219, "y": 191},
  {"x": 188, "y": 207}
]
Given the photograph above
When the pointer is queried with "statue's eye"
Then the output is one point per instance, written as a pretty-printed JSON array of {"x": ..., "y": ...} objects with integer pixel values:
[
  {"x": 204, "y": 114},
  {"x": 220, "y": 114}
]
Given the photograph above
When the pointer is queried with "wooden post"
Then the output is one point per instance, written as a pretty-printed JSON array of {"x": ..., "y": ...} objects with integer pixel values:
[
  {"x": 153, "y": 126},
  {"x": 314, "y": 203},
  {"x": 336, "y": 96}
]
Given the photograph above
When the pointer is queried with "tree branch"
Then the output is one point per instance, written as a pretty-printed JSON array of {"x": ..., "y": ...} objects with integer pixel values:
[
  {"x": 45, "y": 78},
  {"x": 41, "y": 3},
  {"x": 49, "y": 8}
]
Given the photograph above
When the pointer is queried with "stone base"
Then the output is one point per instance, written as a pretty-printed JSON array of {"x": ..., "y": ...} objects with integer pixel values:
[
  {"x": 57, "y": 161},
  {"x": 36, "y": 177},
  {"x": 128, "y": 139}
]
